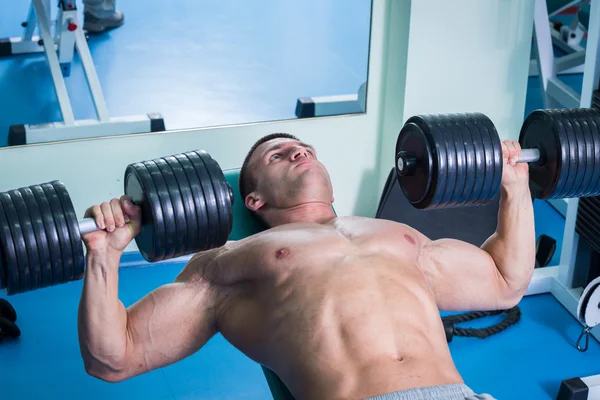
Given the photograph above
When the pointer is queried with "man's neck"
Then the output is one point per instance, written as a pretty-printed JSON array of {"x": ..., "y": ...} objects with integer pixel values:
[{"x": 316, "y": 212}]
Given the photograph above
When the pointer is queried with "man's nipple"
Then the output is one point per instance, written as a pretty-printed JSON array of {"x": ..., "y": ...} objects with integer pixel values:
[{"x": 282, "y": 253}]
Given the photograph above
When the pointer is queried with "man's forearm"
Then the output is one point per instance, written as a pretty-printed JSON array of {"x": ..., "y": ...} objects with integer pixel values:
[
  {"x": 512, "y": 246},
  {"x": 102, "y": 316}
]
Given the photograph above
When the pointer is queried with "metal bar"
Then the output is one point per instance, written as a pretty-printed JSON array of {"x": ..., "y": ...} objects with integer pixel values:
[
  {"x": 30, "y": 28},
  {"x": 544, "y": 51},
  {"x": 87, "y": 225},
  {"x": 562, "y": 93},
  {"x": 86, "y": 128},
  {"x": 529, "y": 155},
  {"x": 562, "y": 66},
  {"x": 65, "y": 38},
  {"x": 57, "y": 78},
  {"x": 564, "y": 7},
  {"x": 90, "y": 73},
  {"x": 20, "y": 46},
  {"x": 591, "y": 70}
]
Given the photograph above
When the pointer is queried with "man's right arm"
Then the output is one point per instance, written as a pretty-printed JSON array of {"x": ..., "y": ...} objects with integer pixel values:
[{"x": 167, "y": 325}]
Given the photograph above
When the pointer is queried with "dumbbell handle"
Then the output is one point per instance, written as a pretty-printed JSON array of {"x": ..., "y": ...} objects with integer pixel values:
[
  {"x": 87, "y": 225},
  {"x": 529, "y": 155},
  {"x": 407, "y": 162}
]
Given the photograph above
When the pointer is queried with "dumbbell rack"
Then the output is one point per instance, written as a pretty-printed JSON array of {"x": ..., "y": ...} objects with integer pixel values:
[{"x": 59, "y": 47}]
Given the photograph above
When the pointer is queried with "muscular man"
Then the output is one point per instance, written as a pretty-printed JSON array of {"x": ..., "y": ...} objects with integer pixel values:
[{"x": 337, "y": 307}]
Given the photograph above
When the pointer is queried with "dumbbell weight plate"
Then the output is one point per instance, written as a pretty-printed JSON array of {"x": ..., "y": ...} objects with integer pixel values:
[
  {"x": 581, "y": 122},
  {"x": 480, "y": 161},
  {"x": 574, "y": 168},
  {"x": 33, "y": 258},
  {"x": 9, "y": 253},
  {"x": 45, "y": 262},
  {"x": 170, "y": 237},
  {"x": 221, "y": 189},
  {"x": 140, "y": 187},
  {"x": 498, "y": 157},
  {"x": 19, "y": 242},
  {"x": 449, "y": 123},
  {"x": 417, "y": 187},
  {"x": 594, "y": 118},
  {"x": 440, "y": 160},
  {"x": 577, "y": 146},
  {"x": 548, "y": 175},
  {"x": 572, "y": 155},
  {"x": 209, "y": 198},
  {"x": 73, "y": 226},
  {"x": 68, "y": 257},
  {"x": 470, "y": 173},
  {"x": 567, "y": 170},
  {"x": 591, "y": 147},
  {"x": 199, "y": 202},
  {"x": 475, "y": 165},
  {"x": 56, "y": 255},
  {"x": 488, "y": 151},
  {"x": 176, "y": 204},
  {"x": 451, "y": 159},
  {"x": 187, "y": 199}
]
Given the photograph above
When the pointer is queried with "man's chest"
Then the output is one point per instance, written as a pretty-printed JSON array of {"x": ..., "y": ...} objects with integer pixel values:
[{"x": 278, "y": 252}]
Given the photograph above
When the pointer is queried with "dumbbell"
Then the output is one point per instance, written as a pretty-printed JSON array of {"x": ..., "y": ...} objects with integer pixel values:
[
  {"x": 455, "y": 160},
  {"x": 186, "y": 206}
]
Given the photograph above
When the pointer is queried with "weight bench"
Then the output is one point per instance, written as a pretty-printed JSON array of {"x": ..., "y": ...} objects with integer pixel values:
[
  {"x": 245, "y": 225},
  {"x": 59, "y": 45}
]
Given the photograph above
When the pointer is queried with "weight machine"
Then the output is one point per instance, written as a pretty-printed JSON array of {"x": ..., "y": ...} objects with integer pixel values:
[
  {"x": 59, "y": 45},
  {"x": 566, "y": 37},
  {"x": 555, "y": 93}
]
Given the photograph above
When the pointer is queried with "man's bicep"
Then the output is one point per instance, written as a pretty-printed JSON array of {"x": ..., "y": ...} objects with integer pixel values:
[
  {"x": 169, "y": 324},
  {"x": 462, "y": 276}
]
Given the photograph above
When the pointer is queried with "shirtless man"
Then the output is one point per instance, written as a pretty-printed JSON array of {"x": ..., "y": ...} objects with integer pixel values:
[{"x": 337, "y": 307}]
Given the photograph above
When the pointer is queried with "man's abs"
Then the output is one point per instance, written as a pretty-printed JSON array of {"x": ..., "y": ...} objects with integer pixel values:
[{"x": 338, "y": 311}]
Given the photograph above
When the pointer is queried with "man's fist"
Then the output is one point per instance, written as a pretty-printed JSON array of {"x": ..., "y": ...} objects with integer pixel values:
[
  {"x": 119, "y": 221},
  {"x": 514, "y": 174}
]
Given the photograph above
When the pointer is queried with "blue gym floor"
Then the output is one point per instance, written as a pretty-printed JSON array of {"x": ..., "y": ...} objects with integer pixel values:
[{"x": 213, "y": 63}]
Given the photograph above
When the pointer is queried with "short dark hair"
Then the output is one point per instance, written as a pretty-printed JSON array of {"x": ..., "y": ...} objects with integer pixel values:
[{"x": 247, "y": 182}]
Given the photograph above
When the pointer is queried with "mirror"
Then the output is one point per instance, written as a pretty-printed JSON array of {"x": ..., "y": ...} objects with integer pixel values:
[{"x": 178, "y": 67}]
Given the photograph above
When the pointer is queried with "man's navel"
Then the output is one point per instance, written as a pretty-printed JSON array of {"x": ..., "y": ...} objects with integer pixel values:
[
  {"x": 282, "y": 253},
  {"x": 410, "y": 239}
]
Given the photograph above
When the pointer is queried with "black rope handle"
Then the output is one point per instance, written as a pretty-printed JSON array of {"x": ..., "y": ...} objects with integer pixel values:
[{"x": 513, "y": 315}]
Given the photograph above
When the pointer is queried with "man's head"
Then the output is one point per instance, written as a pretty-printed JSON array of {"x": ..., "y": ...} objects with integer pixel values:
[{"x": 282, "y": 175}]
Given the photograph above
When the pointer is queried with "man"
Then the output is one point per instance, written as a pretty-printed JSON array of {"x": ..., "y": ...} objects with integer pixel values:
[
  {"x": 337, "y": 307},
  {"x": 101, "y": 15}
]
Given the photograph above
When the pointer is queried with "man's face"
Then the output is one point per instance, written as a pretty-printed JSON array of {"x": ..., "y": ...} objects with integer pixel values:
[{"x": 288, "y": 174}]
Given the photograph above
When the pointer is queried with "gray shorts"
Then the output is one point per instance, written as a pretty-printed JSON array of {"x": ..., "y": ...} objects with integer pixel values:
[{"x": 457, "y": 391}]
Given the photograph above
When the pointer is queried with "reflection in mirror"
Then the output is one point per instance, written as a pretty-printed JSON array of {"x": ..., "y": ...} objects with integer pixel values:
[{"x": 163, "y": 67}]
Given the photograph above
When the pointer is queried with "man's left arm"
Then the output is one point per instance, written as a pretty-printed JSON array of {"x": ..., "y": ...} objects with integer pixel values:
[{"x": 495, "y": 276}]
